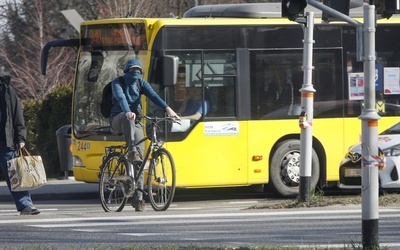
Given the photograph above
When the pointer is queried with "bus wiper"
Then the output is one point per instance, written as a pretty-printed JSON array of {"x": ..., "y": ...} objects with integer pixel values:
[{"x": 99, "y": 130}]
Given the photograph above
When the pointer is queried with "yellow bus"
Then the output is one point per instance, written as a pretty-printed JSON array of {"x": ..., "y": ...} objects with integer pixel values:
[{"x": 248, "y": 68}]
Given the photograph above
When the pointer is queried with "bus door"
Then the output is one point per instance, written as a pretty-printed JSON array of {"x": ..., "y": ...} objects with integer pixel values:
[{"x": 210, "y": 145}]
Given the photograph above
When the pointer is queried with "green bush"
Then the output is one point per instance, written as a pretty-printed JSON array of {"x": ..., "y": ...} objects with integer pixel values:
[
  {"x": 43, "y": 119},
  {"x": 31, "y": 109}
]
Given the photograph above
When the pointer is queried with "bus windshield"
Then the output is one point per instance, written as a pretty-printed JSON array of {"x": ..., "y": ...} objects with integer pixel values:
[{"x": 104, "y": 51}]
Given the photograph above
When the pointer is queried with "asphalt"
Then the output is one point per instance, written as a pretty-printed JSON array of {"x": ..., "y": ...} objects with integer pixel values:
[{"x": 66, "y": 189}]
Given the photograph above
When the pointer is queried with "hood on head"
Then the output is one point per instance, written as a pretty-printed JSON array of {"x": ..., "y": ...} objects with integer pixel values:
[{"x": 132, "y": 63}]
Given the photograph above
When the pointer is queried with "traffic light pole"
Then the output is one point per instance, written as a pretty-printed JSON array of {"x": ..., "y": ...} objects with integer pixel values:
[
  {"x": 369, "y": 118},
  {"x": 307, "y": 102},
  {"x": 369, "y": 124}
]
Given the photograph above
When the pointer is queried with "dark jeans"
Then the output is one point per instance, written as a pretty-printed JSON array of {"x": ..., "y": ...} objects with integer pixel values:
[{"x": 22, "y": 199}]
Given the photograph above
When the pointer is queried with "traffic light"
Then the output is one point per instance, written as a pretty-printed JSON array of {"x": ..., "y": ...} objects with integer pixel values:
[
  {"x": 343, "y": 6},
  {"x": 292, "y": 8},
  {"x": 387, "y": 7},
  {"x": 340, "y": 5}
]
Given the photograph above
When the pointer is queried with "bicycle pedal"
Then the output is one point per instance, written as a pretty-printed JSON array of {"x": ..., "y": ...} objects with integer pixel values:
[{"x": 142, "y": 191}]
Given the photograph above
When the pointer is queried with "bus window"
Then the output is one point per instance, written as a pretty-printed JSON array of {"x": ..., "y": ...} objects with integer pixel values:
[
  {"x": 276, "y": 81},
  {"x": 278, "y": 78},
  {"x": 219, "y": 81},
  {"x": 387, "y": 55},
  {"x": 327, "y": 78},
  {"x": 212, "y": 76}
]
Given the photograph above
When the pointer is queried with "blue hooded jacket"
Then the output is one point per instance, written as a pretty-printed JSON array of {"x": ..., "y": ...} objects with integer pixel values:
[{"x": 129, "y": 98}]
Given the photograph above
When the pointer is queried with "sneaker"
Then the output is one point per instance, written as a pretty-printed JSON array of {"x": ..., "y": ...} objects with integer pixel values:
[
  {"x": 138, "y": 205},
  {"x": 30, "y": 210},
  {"x": 134, "y": 157}
]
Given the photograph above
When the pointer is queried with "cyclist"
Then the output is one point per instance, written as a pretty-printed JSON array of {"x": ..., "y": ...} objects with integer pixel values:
[{"x": 126, "y": 115}]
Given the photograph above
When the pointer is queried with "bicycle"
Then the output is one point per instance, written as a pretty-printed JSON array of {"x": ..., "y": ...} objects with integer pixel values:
[{"x": 118, "y": 178}]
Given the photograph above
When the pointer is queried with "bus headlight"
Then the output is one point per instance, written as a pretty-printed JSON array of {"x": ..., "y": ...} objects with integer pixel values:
[{"x": 77, "y": 161}]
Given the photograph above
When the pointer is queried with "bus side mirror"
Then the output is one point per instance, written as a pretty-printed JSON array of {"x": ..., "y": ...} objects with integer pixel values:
[
  {"x": 55, "y": 43},
  {"x": 169, "y": 66}
]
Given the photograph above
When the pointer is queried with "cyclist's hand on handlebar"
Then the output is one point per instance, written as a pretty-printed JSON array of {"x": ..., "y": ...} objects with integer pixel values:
[
  {"x": 130, "y": 115},
  {"x": 171, "y": 112}
]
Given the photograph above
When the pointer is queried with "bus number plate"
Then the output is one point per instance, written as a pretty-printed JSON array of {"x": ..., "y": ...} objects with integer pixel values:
[{"x": 83, "y": 146}]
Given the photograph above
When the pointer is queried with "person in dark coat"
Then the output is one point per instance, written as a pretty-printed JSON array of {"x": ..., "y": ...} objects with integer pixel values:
[{"x": 12, "y": 138}]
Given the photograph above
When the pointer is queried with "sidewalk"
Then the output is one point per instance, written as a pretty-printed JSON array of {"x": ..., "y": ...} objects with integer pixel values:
[{"x": 58, "y": 190}]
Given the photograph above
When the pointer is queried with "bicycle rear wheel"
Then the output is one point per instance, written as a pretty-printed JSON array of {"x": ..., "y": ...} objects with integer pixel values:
[
  {"x": 113, "y": 179},
  {"x": 161, "y": 180}
]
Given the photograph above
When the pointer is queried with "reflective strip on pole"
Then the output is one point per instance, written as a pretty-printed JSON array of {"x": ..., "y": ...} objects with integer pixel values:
[{"x": 303, "y": 119}]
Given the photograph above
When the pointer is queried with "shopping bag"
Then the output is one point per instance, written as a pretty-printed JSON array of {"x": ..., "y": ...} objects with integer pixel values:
[{"x": 26, "y": 172}]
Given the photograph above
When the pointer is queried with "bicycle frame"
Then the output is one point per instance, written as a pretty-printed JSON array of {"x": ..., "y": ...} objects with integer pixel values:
[
  {"x": 126, "y": 181},
  {"x": 153, "y": 146}
]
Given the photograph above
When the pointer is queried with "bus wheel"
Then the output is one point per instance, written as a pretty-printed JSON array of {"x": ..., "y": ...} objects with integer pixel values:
[{"x": 285, "y": 169}]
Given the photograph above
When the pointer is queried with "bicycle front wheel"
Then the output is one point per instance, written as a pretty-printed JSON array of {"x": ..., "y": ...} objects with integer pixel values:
[
  {"x": 161, "y": 180},
  {"x": 113, "y": 179}
]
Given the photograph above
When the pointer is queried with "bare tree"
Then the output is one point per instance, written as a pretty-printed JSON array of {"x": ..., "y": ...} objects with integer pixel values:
[
  {"x": 20, "y": 53},
  {"x": 125, "y": 8}
]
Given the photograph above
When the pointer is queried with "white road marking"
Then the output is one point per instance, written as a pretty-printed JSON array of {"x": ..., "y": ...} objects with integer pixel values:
[{"x": 270, "y": 215}]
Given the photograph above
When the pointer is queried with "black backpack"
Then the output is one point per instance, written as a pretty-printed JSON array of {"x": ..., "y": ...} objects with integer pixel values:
[{"x": 107, "y": 98}]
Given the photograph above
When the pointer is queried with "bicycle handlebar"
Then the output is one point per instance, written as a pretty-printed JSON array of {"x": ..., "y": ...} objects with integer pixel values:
[{"x": 156, "y": 119}]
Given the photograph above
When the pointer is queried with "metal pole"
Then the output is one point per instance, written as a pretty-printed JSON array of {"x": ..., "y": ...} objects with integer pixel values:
[
  {"x": 345, "y": 18},
  {"x": 305, "y": 121},
  {"x": 333, "y": 12},
  {"x": 369, "y": 117}
]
